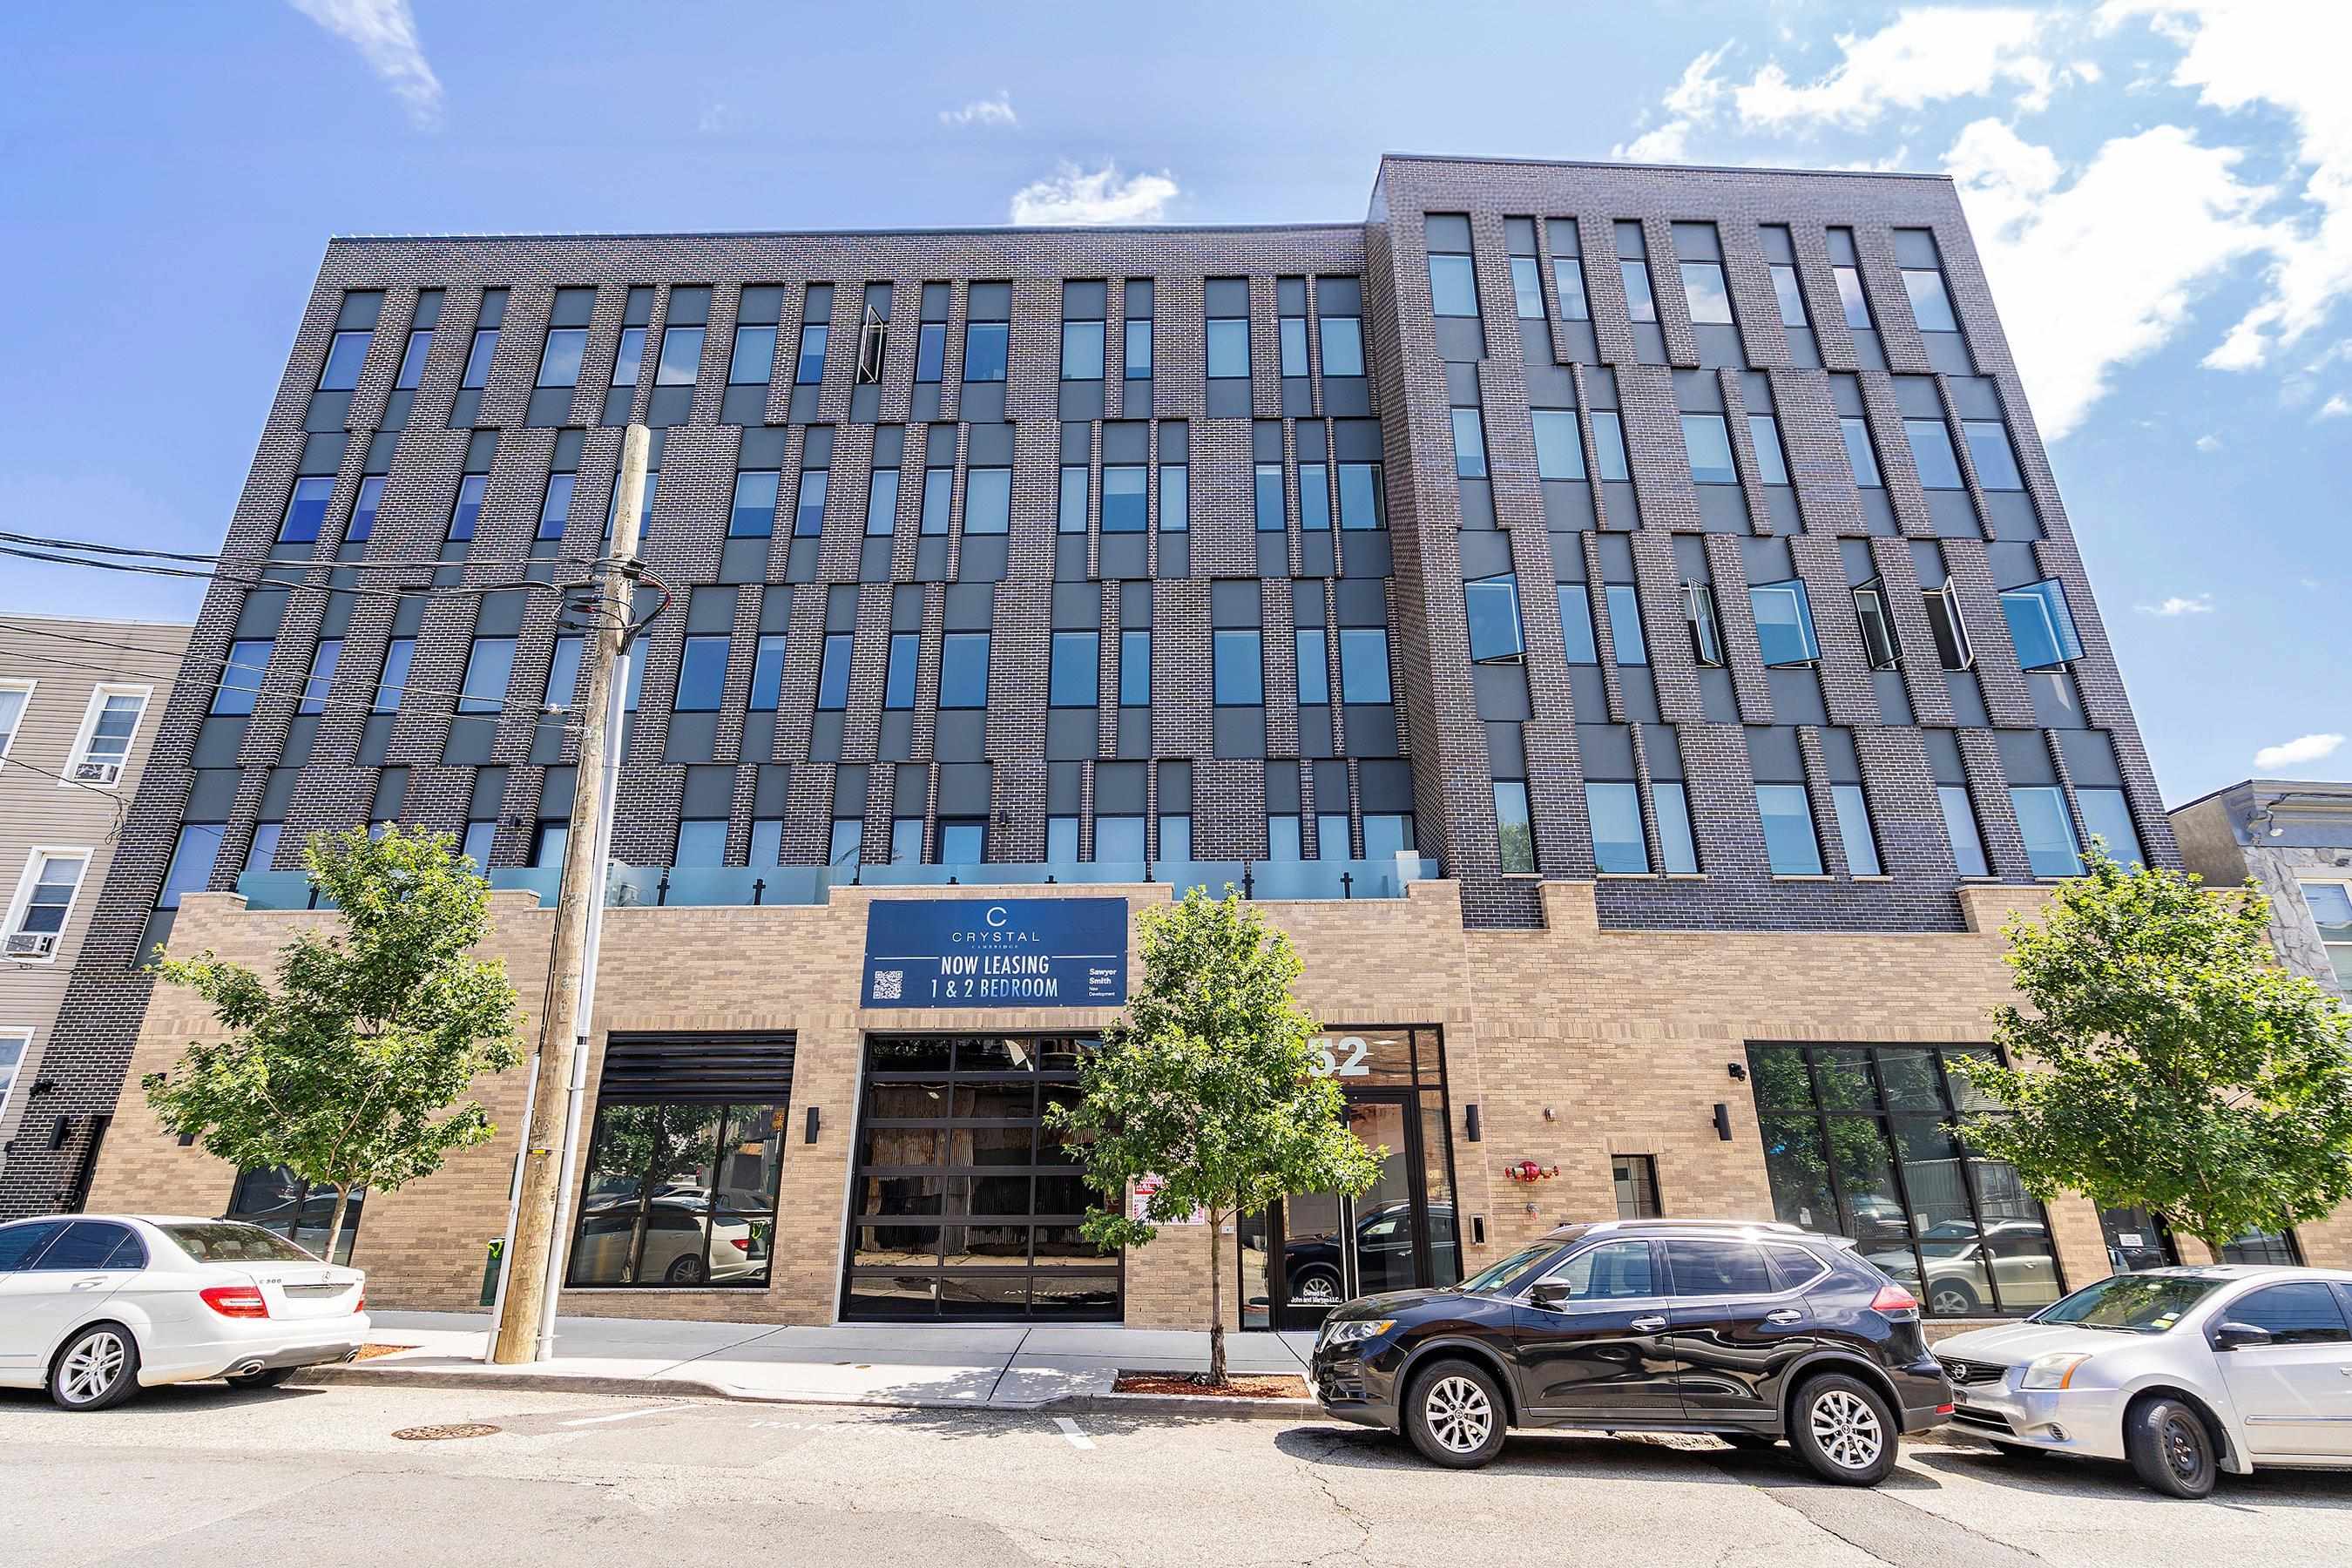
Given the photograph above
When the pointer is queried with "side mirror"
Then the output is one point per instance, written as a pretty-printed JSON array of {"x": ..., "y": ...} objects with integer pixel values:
[
  {"x": 2239, "y": 1336},
  {"x": 1552, "y": 1294}
]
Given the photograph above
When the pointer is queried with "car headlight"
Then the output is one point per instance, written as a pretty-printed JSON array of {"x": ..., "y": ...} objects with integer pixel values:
[
  {"x": 1357, "y": 1330},
  {"x": 2052, "y": 1370}
]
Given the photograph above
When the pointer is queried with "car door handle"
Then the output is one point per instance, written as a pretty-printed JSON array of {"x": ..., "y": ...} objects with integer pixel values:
[
  {"x": 1784, "y": 1316},
  {"x": 90, "y": 1284},
  {"x": 1647, "y": 1325}
]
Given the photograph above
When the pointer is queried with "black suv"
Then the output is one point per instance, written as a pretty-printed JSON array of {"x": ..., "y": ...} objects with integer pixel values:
[{"x": 1751, "y": 1331}]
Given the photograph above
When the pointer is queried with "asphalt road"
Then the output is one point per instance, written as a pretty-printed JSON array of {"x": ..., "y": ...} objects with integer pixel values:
[{"x": 316, "y": 1477}]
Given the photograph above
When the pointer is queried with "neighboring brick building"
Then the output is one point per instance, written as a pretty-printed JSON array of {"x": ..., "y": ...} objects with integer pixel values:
[{"x": 1676, "y": 665}]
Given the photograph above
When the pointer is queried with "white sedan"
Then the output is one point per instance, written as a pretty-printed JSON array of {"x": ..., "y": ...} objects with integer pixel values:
[
  {"x": 2185, "y": 1372},
  {"x": 96, "y": 1307}
]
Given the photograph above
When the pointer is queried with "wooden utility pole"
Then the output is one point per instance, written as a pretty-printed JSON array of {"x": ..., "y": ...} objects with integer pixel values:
[{"x": 526, "y": 1324}]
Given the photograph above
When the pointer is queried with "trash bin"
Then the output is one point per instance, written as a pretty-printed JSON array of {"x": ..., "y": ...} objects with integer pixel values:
[{"x": 491, "y": 1272}]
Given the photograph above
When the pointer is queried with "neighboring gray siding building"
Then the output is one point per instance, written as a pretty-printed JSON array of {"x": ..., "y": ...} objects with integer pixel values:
[{"x": 2293, "y": 843}]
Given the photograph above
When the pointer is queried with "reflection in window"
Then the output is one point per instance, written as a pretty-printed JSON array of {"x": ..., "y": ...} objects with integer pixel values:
[
  {"x": 1493, "y": 606},
  {"x": 1960, "y": 825},
  {"x": 1625, "y": 623},
  {"x": 679, "y": 1193},
  {"x": 282, "y": 1203},
  {"x": 1789, "y": 842},
  {"x": 1560, "y": 445},
  {"x": 1709, "y": 446},
  {"x": 2049, "y": 831},
  {"x": 2040, "y": 625},
  {"x": 1619, "y": 847},
  {"x": 1710, "y": 303},
  {"x": 1514, "y": 830},
  {"x": 1576, "y": 624}
]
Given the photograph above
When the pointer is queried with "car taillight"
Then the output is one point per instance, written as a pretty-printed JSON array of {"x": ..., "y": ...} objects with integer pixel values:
[
  {"x": 739, "y": 1243},
  {"x": 236, "y": 1301},
  {"x": 1893, "y": 1298},
  {"x": 360, "y": 1305}
]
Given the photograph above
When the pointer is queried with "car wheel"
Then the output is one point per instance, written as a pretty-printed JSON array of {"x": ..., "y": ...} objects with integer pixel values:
[
  {"x": 687, "y": 1270},
  {"x": 2170, "y": 1447},
  {"x": 1952, "y": 1299},
  {"x": 1844, "y": 1429},
  {"x": 267, "y": 1377},
  {"x": 1455, "y": 1415},
  {"x": 1315, "y": 1287},
  {"x": 98, "y": 1367}
]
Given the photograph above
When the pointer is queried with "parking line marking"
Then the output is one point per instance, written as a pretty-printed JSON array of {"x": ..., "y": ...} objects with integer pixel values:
[
  {"x": 1070, "y": 1430},
  {"x": 625, "y": 1415}
]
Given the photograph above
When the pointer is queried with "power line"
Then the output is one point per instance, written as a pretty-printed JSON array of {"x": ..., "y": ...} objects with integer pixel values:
[{"x": 113, "y": 797}]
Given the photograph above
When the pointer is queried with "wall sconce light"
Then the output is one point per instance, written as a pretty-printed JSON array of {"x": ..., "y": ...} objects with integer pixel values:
[
  {"x": 187, "y": 1140},
  {"x": 1477, "y": 1230},
  {"x": 812, "y": 1123},
  {"x": 1470, "y": 1126},
  {"x": 1549, "y": 1114},
  {"x": 1739, "y": 1071},
  {"x": 1723, "y": 1121}
]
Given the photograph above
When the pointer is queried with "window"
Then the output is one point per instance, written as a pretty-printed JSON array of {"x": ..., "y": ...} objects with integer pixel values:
[
  {"x": 753, "y": 360},
  {"x": 1635, "y": 1177},
  {"x": 555, "y": 505},
  {"x": 1698, "y": 609},
  {"x": 306, "y": 509},
  {"x": 1931, "y": 308},
  {"x": 1387, "y": 835},
  {"x": 1119, "y": 839},
  {"x": 985, "y": 349},
  {"x": 1850, "y": 295},
  {"x": 1363, "y": 665},
  {"x": 321, "y": 680},
  {"x": 1126, "y": 499},
  {"x": 1878, "y": 644},
  {"x": 477, "y": 842},
  {"x": 1860, "y": 456},
  {"x": 1931, "y": 453},
  {"x": 680, "y": 1188},
  {"x": 14, "y": 696},
  {"x": 1175, "y": 498},
  {"x": 2040, "y": 625},
  {"x": 364, "y": 510},
  {"x": 753, "y": 513},
  {"x": 1784, "y": 623},
  {"x": 1469, "y": 445},
  {"x": 1515, "y": 834},
  {"x": 1526, "y": 289},
  {"x": 898, "y": 681},
  {"x": 1960, "y": 827},
  {"x": 931, "y": 350},
  {"x": 194, "y": 855},
  {"x": 1229, "y": 347},
  {"x": 1989, "y": 451},
  {"x": 1315, "y": 498},
  {"x": 397, "y": 654},
  {"x": 1239, "y": 672},
  {"x": 1493, "y": 606},
  {"x": 283, "y": 1204},
  {"x": 882, "y": 503},
  {"x": 1361, "y": 505},
  {"x": 1072, "y": 514},
  {"x": 1343, "y": 345},
  {"x": 939, "y": 490},
  {"x": 987, "y": 501},
  {"x": 467, "y": 510},
  {"x": 645, "y": 508},
  {"x": 489, "y": 665},
  {"x": 1452, "y": 286},
  {"x": 1331, "y": 835},
  {"x": 1176, "y": 837},
  {"x": 13, "y": 1045},
  {"x": 1951, "y": 632},
  {"x": 1609, "y": 441},
  {"x": 1709, "y": 446},
  {"x": 2263, "y": 1249},
  {"x": 1675, "y": 840},
  {"x": 963, "y": 843},
  {"x": 1613, "y": 1272},
  {"x": 1789, "y": 841},
  {"x": 701, "y": 841},
  {"x": 702, "y": 675},
  {"x": 241, "y": 675},
  {"x": 1134, "y": 669},
  {"x": 808, "y": 503},
  {"x": 412, "y": 360},
  {"x": 1282, "y": 841},
  {"x": 1791, "y": 295},
  {"x": 2106, "y": 816},
  {"x": 1291, "y": 340},
  {"x": 1703, "y": 1268},
  {"x": 1265, "y": 496},
  {"x": 1853, "y": 830},
  {"x": 1061, "y": 839},
  {"x": 1568, "y": 277},
  {"x": 1764, "y": 435},
  {"x": 906, "y": 840},
  {"x": 564, "y": 672},
  {"x": 111, "y": 724},
  {"x": 1710, "y": 303},
  {"x": 2331, "y": 911},
  {"x": 629, "y": 358},
  {"x": 1576, "y": 624},
  {"x": 1560, "y": 445},
  {"x": 808, "y": 369},
  {"x": 1074, "y": 680},
  {"x": 843, "y": 848},
  {"x": 1138, "y": 350},
  {"x": 1618, "y": 845},
  {"x": 963, "y": 671},
  {"x": 1625, "y": 623},
  {"x": 477, "y": 358},
  {"x": 681, "y": 357},
  {"x": 43, "y": 898},
  {"x": 1640, "y": 303},
  {"x": 261, "y": 850},
  {"x": 1314, "y": 671},
  {"x": 2303, "y": 1313},
  {"x": 2048, "y": 832},
  {"x": 558, "y": 358},
  {"x": 833, "y": 674},
  {"x": 548, "y": 842}
]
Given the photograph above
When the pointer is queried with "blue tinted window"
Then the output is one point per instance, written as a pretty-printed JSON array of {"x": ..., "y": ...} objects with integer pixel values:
[
  {"x": 906, "y": 840},
  {"x": 938, "y": 492},
  {"x": 1314, "y": 668},
  {"x": 1240, "y": 669},
  {"x": 1361, "y": 505},
  {"x": 1229, "y": 348},
  {"x": 963, "y": 671},
  {"x": 1119, "y": 839},
  {"x": 1609, "y": 441},
  {"x": 322, "y": 679},
  {"x": 1625, "y": 624},
  {"x": 1452, "y": 286},
  {"x": 364, "y": 510},
  {"x": 1560, "y": 445},
  {"x": 882, "y": 503},
  {"x": 984, "y": 350},
  {"x": 1710, "y": 305},
  {"x": 810, "y": 369},
  {"x": 1363, "y": 665},
  {"x": 1789, "y": 841},
  {"x": 1515, "y": 834},
  {"x": 681, "y": 357},
  {"x": 563, "y": 673},
  {"x": 468, "y": 510},
  {"x": 1387, "y": 835},
  {"x": 555, "y": 507},
  {"x": 1784, "y": 623},
  {"x": 1576, "y": 624},
  {"x": 1175, "y": 498},
  {"x": 1315, "y": 498},
  {"x": 1764, "y": 434},
  {"x": 1267, "y": 499},
  {"x": 1138, "y": 350},
  {"x": 899, "y": 683},
  {"x": 832, "y": 673},
  {"x": 1851, "y": 296},
  {"x": 490, "y": 665},
  {"x": 2106, "y": 816},
  {"x": 848, "y": 839},
  {"x": 1124, "y": 500},
  {"x": 193, "y": 857},
  {"x": 559, "y": 361},
  {"x": 1640, "y": 305},
  {"x": 1134, "y": 669},
  {"x": 412, "y": 360},
  {"x": 2048, "y": 832},
  {"x": 1709, "y": 446},
  {"x": 1860, "y": 456},
  {"x": 2040, "y": 625},
  {"x": 240, "y": 677},
  {"x": 1931, "y": 308},
  {"x": 702, "y": 675},
  {"x": 396, "y": 657},
  {"x": 1619, "y": 847},
  {"x": 1071, "y": 517},
  {"x": 1568, "y": 277},
  {"x": 808, "y": 507},
  {"x": 1469, "y": 445},
  {"x": 963, "y": 843},
  {"x": 1960, "y": 825},
  {"x": 1493, "y": 606},
  {"x": 1675, "y": 829},
  {"x": 1931, "y": 453},
  {"x": 306, "y": 509},
  {"x": 1853, "y": 830},
  {"x": 755, "y": 359},
  {"x": 987, "y": 501},
  {"x": 1075, "y": 679},
  {"x": 753, "y": 514},
  {"x": 1989, "y": 449},
  {"x": 478, "y": 357},
  {"x": 1082, "y": 351},
  {"x": 701, "y": 842},
  {"x": 1343, "y": 345},
  {"x": 345, "y": 355},
  {"x": 931, "y": 350},
  {"x": 629, "y": 360}
]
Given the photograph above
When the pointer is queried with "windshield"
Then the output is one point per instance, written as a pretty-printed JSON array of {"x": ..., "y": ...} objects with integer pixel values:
[
  {"x": 1498, "y": 1276},
  {"x": 225, "y": 1241},
  {"x": 2134, "y": 1303}
]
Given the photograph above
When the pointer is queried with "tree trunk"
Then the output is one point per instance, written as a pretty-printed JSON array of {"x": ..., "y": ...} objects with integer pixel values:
[
  {"x": 335, "y": 1224},
  {"x": 1216, "y": 1304}
]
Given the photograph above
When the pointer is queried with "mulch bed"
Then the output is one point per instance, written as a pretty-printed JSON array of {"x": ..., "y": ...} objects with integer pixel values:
[
  {"x": 369, "y": 1353},
  {"x": 1245, "y": 1387}
]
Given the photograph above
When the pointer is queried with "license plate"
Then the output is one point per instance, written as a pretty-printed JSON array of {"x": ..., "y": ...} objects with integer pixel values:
[{"x": 1959, "y": 1396}]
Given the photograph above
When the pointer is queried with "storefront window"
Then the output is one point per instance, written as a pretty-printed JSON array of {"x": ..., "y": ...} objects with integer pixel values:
[
  {"x": 1858, "y": 1141},
  {"x": 278, "y": 1200}
]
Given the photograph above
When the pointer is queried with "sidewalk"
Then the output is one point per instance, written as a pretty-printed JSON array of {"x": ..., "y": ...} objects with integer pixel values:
[{"x": 977, "y": 1367}]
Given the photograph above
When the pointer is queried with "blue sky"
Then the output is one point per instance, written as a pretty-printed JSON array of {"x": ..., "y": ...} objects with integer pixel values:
[{"x": 2163, "y": 190}]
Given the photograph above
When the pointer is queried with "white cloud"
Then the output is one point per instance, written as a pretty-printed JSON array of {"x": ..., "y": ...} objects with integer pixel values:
[
  {"x": 712, "y": 121},
  {"x": 1925, "y": 55},
  {"x": 2080, "y": 291},
  {"x": 997, "y": 110},
  {"x": 2335, "y": 407},
  {"x": 1074, "y": 196},
  {"x": 2302, "y": 749},
  {"x": 385, "y": 33},
  {"x": 2208, "y": 442},
  {"x": 1668, "y": 143},
  {"x": 2201, "y": 605}
]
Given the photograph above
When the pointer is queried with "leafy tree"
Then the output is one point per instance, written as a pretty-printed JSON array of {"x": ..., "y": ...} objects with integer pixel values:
[
  {"x": 344, "y": 1072},
  {"x": 2168, "y": 1062},
  {"x": 1203, "y": 1093}
]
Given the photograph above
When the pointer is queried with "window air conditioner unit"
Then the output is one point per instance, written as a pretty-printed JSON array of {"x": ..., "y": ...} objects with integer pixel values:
[
  {"x": 32, "y": 944},
  {"x": 98, "y": 773}
]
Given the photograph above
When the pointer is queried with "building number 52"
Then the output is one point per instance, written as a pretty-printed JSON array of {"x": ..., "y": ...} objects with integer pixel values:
[{"x": 1342, "y": 1057}]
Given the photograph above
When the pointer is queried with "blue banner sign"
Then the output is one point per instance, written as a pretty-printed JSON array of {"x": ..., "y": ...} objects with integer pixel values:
[{"x": 1006, "y": 953}]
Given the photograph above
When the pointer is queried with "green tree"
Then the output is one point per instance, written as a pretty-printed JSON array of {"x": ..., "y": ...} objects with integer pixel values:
[
  {"x": 2167, "y": 1061},
  {"x": 1205, "y": 1088},
  {"x": 350, "y": 1071}
]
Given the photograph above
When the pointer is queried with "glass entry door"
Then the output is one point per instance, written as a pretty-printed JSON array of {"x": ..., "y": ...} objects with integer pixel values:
[{"x": 1323, "y": 1248}]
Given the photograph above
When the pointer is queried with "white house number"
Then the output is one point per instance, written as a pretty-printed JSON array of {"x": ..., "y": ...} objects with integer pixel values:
[{"x": 1342, "y": 1057}]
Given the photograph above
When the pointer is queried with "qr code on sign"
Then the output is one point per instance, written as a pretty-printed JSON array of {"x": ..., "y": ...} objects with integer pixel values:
[{"x": 888, "y": 985}]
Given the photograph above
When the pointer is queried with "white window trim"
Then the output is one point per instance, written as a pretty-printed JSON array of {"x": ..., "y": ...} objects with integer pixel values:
[
  {"x": 81, "y": 751},
  {"x": 23, "y": 1034},
  {"x": 2301, "y": 882},
  {"x": 23, "y": 895},
  {"x": 27, "y": 687}
]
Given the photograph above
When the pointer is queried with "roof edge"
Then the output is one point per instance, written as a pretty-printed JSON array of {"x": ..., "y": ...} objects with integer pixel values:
[
  {"x": 1623, "y": 164},
  {"x": 992, "y": 230}
]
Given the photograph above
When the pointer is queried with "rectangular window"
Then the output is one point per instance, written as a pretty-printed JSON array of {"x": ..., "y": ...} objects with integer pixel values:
[
  {"x": 1764, "y": 435},
  {"x": 963, "y": 671},
  {"x": 1493, "y": 606},
  {"x": 1951, "y": 632},
  {"x": 1331, "y": 835},
  {"x": 1125, "y": 504},
  {"x": 1931, "y": 454},
  {"x": 1576, "y": 624},
  {"x": 808, "y": 503},
  {"x": 931, "y": 350},
  {"x": 1640, "y": 305},
  {"x": 315, "y": 686},
  {"x": 1568, "y": 277},
  {"x": 1560, "y": 445},
  {"x": 702, "y": 675},
  {"x": 1878, "y": 644},
  {"x": 1526, "y": 289},
  {"x": 1343, "y": 345},
  {"x": 1175, "y": 498},
  {"x": 559, "y": 357},
  {"x": 1675, "y": 841},
  {"x": 1239, "y": 669},
  {"x": 1619, "y": 848},
  {"x": 1635, "y": 1177},
  {"x": 2040, "y": 625},
  {"x": 477, "y": 843},
  {"x": 1784, "y": 623},
  {"x": 1282, "y": 840},
  {"x": 985, "y": 344},
  {"x": 987, "y": 501},
  {"x": 898, "y": 682},
  {"x": 1609, "y": 443},
  {"x": 1229, "y": 348},
  {"x": 412, "y": 360},
  {"x": 1710, "y": 302},
  {"x": 1060, "y": 840},
  {"x": 490, "y": 665},
  {"x": 1698, "y": 609},
  {"x": 1266, "y": 485},
  {"x": 1861, "y": 458},
  {"x": 1138, "y": 349},
  {"x": 1175, "y": 836},
  {"x": 938, "y": 493},
  {"x": 1363, "y": 665},
  {"x": 194, "y": 855},
  {"x": 808, "y": 366},
  {"x": 1075, "y": 679},
  {"x": 1515, "y": 832},
  {"x": 1082, "y": 351},
  {"x": 564, "y": 672},
  {"x": 396, "y": 657},
  {"x": 1989, "y": 451},
  {"x": 882, "y": 503},
  {"x": 1314, "y": 668},
  {"x": 241, "y": 674},
  {"x": 1960, "y": 827},
  {"x": 963, "y": 843},
  {"x": 1931, "y": 307},
  {"x": 1709, "y": 446},
  {"x": 1071, "y": 516},
  {"x": 2106, "y": 816},
  {"x": 1853, "y": 830},
  {"x": 1291, "y": 337},
  {"x": 1120, "y": 840},
  {"x": 548, "y": 842},
  {"x": 478, "y": 357},
  {"x": 701, "y": 841},
  {"x": 364, "y": 511},
  {"x": 753, "y": 513},
  {"x": 1789, "y": 841},
  {"x": 1387, "y": 835},
  {"x": 2041, "y": 817},
  {"x": 261, "y": 849},
  {"x": 833, "y": 674},
  {"x": 753, "y": 361},
  {"x": 681, "y": 357},
  {"x": 1625, "y": 623},
  {"x": 1791, "y": 295},
  {"x": 1469, "y": 445},
  {"x": 1851, "y": 296},
  {"x": 555, "y": 505},
  {"x": 906, "y": 840},
  {"x": 629, "y": 360},
  {"x": 14, "y": 696},
  {"x": 843, "y": 846},
  {"x": 1315, "y": 498},
  {"x": 109, "y": 728},
  {"x": 306, "y": 509},
  {"x": 2331, "y": 912},
  {"x": 1452, "y": 286},
  {"x": 1135, "y": 669},
  {"x": 466, "y": 511},
  {"x": 44, "y": 901}
]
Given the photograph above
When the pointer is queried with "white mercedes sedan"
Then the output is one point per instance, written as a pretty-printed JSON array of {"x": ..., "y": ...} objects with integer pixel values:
[
  {"x": 96, "y": 1307},
  {"x": 2183, "y": 1372}
]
